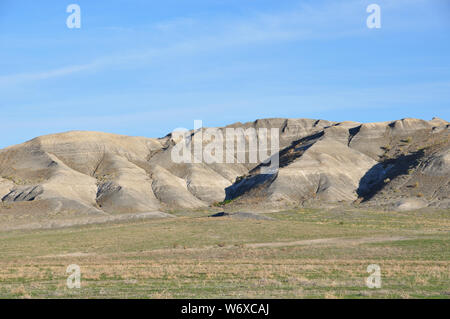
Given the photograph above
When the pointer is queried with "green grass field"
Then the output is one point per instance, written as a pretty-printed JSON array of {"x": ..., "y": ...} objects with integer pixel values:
[{"x": 300, "y": 254}]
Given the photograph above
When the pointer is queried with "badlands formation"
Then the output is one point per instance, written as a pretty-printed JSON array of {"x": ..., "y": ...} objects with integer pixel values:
[{"x": 398, "y": 165}]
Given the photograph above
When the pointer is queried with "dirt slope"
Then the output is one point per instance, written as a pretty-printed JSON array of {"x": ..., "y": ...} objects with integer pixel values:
[{"x": 402, "y": 164}]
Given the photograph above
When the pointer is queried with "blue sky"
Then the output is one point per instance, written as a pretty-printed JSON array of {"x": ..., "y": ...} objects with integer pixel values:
[{"x": 147, "y": 67}]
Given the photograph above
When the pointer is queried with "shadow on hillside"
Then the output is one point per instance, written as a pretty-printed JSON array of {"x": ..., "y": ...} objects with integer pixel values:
[
  {"x": 254, "y": 183},
  {"x": 382, "y": 173}
]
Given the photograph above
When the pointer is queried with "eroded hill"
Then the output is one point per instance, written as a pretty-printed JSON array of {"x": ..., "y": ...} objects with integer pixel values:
[{"x": 402, "y": 164}]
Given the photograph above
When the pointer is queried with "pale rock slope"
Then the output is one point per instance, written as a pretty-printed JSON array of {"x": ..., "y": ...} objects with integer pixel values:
[
  {"x": 399, "y": 165},
  {"x": 402, "y": 164}
]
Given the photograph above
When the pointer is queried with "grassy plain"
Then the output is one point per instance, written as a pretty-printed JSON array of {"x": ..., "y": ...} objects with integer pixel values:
[{"x": 302, "y": 253}]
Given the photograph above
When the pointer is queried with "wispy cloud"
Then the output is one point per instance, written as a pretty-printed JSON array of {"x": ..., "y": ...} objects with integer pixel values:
[
  {"x": 63, "y": 71},
  {"x": 192, "y": 36},
  {"x": 322, "y": 20},
  {"x": 175, "y": 24}
]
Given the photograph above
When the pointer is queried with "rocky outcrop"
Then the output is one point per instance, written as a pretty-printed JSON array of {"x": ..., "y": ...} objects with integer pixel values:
[
  {"x": 402, "y": 164},
  {"x": 398, "y": 165},
  {"x": 173, "y": 190}
]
